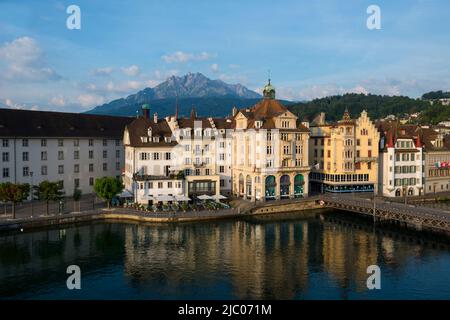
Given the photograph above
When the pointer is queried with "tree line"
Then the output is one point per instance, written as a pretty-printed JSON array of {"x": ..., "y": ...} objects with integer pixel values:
[
  {"x": 106, "y": 188},
  {"x": 377, "y": 107}
]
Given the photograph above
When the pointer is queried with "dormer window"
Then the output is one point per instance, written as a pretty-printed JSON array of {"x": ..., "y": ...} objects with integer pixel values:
[
  {"x": 149, "y": 132},
  {"x": 167, "y": 139},
  {"x": 155, "y": 139},
  {"x": 258, "y": 124}
]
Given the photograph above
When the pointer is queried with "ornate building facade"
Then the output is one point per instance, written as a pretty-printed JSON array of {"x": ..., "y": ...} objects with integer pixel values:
[
  {"x": 344, "y": 154},
  {"x": 270, "y": 151}
]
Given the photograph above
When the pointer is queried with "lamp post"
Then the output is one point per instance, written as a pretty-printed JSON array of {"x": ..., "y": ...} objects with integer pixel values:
[{"x": 32, "y": 195}]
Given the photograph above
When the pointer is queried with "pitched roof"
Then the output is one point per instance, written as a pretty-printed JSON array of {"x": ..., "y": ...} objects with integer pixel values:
[
  {"x": 139, "y": 128},
  {"x": 27, "y": 123}
]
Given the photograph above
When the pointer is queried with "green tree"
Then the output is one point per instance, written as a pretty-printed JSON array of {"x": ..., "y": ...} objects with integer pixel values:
[
  {"x": 48, "y": 191},
  {"x": 107, "y": 188},
  {"x": 14, "y": 193},
  {"x": 76, "y": 198}
]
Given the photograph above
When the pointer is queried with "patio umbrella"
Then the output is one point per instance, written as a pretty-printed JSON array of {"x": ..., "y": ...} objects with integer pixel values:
[
  {"x": 164, "y": 198},
  {"x": 182, "y": 198},
  {"x": 125, "y": 194},
  {"x": 218, "y": 197},
  {"x": 204, "y": 197}
]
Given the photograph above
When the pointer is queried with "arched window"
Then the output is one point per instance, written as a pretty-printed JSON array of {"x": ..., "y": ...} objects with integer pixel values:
[
  {"x": 299, "y": 182},
  {"x": 270, "y": 185},
  {"x": 285, "y": 184}
]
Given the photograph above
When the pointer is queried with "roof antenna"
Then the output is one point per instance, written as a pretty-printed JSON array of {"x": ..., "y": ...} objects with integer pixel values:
[{"x": 268, "y": 74}]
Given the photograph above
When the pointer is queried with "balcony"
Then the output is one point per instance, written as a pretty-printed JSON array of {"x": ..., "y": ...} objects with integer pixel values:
[{"x": 366, "y": 159}]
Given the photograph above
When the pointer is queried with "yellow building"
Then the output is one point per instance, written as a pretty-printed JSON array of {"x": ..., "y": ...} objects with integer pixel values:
[
  {"x": 344, "y": 155},
  {"x": 270, "y": 151}
]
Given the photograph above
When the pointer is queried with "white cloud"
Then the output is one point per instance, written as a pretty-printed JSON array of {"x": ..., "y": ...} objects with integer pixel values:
[
  {"x": 215, "y": 67},
  {"x": 182, "y": 57},
  {"x": 132, "y": 70},
  {"x": 25, "y": 62},
  {"x": 90, "y": 100},
  {"x": 58, "y": 101},
  {"x": 105, "y": 71}
]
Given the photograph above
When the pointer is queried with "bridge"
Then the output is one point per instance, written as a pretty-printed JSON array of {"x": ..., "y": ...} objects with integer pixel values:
[{"x": 419, "y": 218}]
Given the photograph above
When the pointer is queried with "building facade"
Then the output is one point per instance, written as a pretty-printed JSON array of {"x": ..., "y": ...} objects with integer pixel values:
[
  {"x": 437, "y": 161},
  {"x": 344, "y": 155},
  {"x": 270, "y": 151},
  {"x": 401, "y": 159},
  {"x": 74, "y": 149},
  {"x": 177, "y": 157}
]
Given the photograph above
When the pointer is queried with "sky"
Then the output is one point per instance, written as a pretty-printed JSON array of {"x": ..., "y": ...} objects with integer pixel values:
[{"x": 312, "y": 48}]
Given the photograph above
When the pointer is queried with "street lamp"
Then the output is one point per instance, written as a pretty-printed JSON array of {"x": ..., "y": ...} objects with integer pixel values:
[{"x": 32, "y": 196}]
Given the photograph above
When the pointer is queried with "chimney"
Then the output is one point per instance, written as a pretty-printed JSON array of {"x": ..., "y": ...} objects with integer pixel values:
[
  {"x": 155, "y": 117},
  {"x": 234, "y": 111},
  {"x": 146, "y": 111}
]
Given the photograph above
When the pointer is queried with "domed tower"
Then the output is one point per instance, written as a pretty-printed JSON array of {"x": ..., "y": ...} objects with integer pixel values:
[{"x": 269, "y": 91}]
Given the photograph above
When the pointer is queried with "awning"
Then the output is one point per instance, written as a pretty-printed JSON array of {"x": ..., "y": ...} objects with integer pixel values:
[
  {"x": 182, "y": 198},
  {"x": 125, "y": 194},
  {"x": 150, "y": 198},
  {"x": 204, "y": 197},
  {"x": 164, "y": 198}
]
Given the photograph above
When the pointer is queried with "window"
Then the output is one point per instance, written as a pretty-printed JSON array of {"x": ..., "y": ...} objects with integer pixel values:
[
  {"x": 117, "y": 153},
  {"x": 221, "y": 169},
  {"x": 222, "y": 156},
  {"x": 369, "y": 165},
  {"x": 207, "y": 172},
  {"x": 117, "y": 165},
  {"x": 197, "y": 172},
  {"x": 91, "y": 154},
  {"x": 117, "y": 142},
  {"x": 5, "y": 143},
  {"x": 76, "y": 154},
  {"x": 60, "y": 155},
  {"x": 156, "y": 156},
  {"x": 105, "y": 154},
  {"x": 60, "y": 143},
  {"x": 91, "y": 142},
  {"x": 76, "y": 142},
  {"x": 169, "y": 184},
  {"x": 43, "y": 155},
  {"x": 168, "y": 155},
  {"x": 369, "y": 153},
  {"x": 25, "y": 171},
  {"x": 358, "y": 142},
  {"x": 286, "y": 150},
  {"x": 91, "y": 167},
  {"x": 5, "y": 156},
  {"x": 43, "y": 142},
  {"x": 269, "y": 149},
  {"x": 105, "y": 142},
  {"x": 76, "y": 182},
  {"x": 5, "y": 172},
  {"x": 91, "y": 181},
  {"x": 160, "y": 185},
  {"x": 44, "y": 170},
  {"x": 60, "y": 169},
  {"x": 369, "y": 142},
  {"x": 24, "y": 142},
  {"x": 105, "y": 166},
  {"x": 76, "y": 168}
]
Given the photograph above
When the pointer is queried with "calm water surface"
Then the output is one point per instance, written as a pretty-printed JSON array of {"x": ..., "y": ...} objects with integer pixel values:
[{"x": 292, "y": 258}]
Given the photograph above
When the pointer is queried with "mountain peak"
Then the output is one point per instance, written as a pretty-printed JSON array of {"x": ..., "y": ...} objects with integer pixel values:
[{"x": 197, "y": 85}]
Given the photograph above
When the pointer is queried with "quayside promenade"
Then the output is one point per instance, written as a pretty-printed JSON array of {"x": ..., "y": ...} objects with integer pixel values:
[{"x": 382, "y": 211}]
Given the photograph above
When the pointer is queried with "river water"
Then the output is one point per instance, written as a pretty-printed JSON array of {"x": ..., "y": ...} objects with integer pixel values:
[{"x": 319, "y": 256}]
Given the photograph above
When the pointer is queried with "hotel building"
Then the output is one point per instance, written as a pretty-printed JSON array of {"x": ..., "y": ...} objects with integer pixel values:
[
  {"x": 177, "y": 157},
  {"x": 270, "y": 151},
  {"x": 74, "y": 149},
  {"x": 344, "y": 154}
]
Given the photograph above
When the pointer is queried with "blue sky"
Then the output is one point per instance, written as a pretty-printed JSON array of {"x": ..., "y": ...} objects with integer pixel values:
[{"x": 313, "y": 48}]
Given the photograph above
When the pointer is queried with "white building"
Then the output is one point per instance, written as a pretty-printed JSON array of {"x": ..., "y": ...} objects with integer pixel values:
[
  {"x": 401, "y": 160},
  {"x": 177, "y": 157},
  {"x": 74, "y": 149}
]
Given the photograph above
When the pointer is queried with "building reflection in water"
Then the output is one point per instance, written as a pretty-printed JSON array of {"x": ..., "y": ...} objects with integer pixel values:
[{"x": 313, "y": 257}]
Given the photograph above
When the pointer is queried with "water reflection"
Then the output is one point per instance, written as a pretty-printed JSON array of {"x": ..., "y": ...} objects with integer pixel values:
[{"x": 315, "y": 257}]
